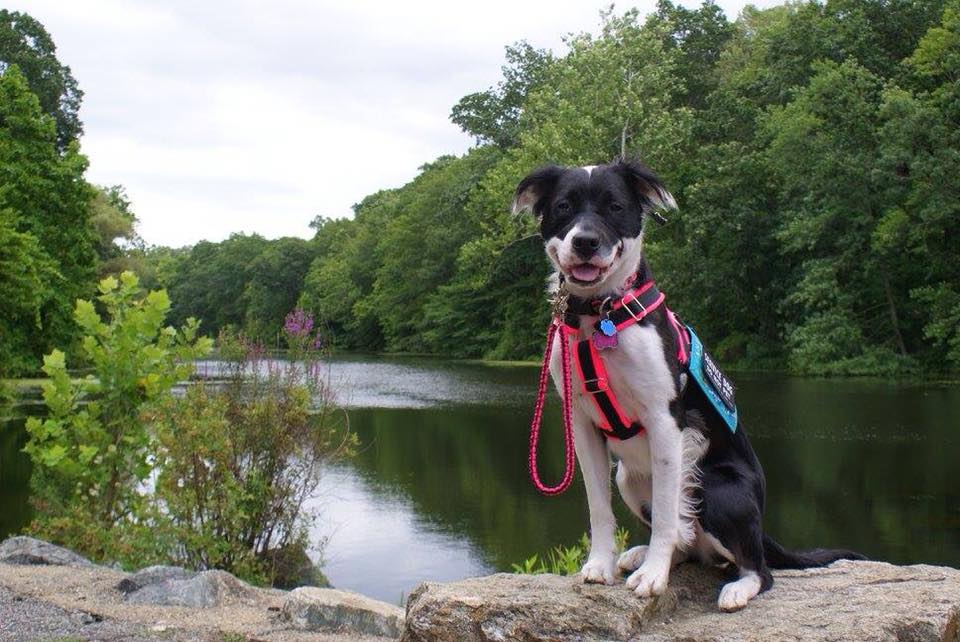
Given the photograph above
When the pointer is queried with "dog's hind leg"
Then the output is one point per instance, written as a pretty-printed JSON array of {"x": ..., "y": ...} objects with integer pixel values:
[{"x": 731, "y": 519}]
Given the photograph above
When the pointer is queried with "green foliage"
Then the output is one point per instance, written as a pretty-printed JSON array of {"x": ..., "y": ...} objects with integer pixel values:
[
  {"x": 25, "y": 43},
  {"x": 812, "y": 148},
  {"x": 566, "y": 560},
  {"x": 238, "y": 458},
  {"x": 943, "y": 328},
  {"x": 209, "y": 281},
  {"x": 25, "y": 276},
  {"x": 276, "y": 281},
  {"x": 215, "y": 478},
  {"x": 114, "y": 225},
  {"x": 47, "y": 259},
  {"x": 493, "y": 116},
  {"x": 94, "y": 449}
]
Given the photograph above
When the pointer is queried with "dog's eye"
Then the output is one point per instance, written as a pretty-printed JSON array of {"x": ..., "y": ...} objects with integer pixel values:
[
  {"x": 616, "y": 208},
  {"x": 562, "y": 206}
]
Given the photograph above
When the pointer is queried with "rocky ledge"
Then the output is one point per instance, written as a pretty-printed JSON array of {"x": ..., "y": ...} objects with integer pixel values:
[
  {"x": 49, "y": 593},
  {"x": 856, "y": 601}
]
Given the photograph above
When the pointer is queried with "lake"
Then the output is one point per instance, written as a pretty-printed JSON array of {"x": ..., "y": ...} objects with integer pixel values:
[{"x": 439, "y": 487}]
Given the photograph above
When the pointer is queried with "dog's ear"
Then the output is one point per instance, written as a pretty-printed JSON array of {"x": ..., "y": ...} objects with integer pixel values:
[
  {"x": 650, "y": 191},
  {"x": 533, "y": 191}
]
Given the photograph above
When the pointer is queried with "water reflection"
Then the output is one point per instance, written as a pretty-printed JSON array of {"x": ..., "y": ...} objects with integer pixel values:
[
  {"x": 439, "y": 489},
  {"x": 378, "y": 541}
]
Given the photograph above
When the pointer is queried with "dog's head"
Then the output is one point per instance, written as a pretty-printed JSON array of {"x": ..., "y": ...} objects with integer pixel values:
[{"x": 591, "y": 219}]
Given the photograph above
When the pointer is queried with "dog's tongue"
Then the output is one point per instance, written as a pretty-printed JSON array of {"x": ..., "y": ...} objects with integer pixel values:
[{"x": 585, "y": 272}]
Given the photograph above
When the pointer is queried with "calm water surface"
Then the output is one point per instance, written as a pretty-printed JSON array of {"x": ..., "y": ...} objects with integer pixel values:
[{"x": 439, "y": 489}]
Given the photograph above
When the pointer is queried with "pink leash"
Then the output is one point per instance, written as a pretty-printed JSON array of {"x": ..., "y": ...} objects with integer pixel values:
[{"x": 567, "y": 412}]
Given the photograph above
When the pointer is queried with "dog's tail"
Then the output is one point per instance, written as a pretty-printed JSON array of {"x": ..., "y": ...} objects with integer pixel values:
[{"x": 779, "y": 557}]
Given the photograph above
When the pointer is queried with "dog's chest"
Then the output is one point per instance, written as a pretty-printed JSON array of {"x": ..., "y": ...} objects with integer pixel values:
[{"x": 637, "y": 373}]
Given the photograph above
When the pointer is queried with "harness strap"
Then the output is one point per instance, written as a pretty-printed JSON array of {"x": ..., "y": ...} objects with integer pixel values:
[
  {"x": 683, "y": 338},
  {"x": 630, "y": 309},
  {"x": 595, "y": 382},
  {"x": 635, "y": 305}
]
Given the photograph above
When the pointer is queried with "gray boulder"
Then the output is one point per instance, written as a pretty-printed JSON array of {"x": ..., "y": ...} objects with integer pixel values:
[
  {"x": 206, "y": 589},
  {"x": 329, "y": 610},
  {"x": 153, "y": 575},
  {"x": 27, "y": 550},
  {"x": 864, "y": 601}
]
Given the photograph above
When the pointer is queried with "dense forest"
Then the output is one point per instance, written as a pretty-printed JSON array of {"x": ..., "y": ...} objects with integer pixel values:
[{"x": 813, "y": 149}]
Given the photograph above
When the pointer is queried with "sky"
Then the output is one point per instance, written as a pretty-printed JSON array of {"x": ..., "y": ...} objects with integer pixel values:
[{"x": 235, "y": 116}]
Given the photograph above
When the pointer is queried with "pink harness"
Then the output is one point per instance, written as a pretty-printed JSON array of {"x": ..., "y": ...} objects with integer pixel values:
[{"x": 632, "y": 308}]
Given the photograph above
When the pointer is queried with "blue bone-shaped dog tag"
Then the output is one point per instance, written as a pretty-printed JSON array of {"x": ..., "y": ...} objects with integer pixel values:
[{"x": 607, "y": 327}]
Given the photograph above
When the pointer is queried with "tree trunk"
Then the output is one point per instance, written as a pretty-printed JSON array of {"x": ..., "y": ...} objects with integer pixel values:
[{"x": 894, "y": 320}]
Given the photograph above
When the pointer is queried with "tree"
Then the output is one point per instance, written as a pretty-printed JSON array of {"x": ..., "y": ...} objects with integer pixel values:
[
  {"x": 275, "y": 284},
  {"x": 698, "y": 37},
  {"x": 24, "y": 42},
  {"x": 114, "y": 222},
  {"x": 428, "y": 214},
  {"x": 341, "y": 275},
  {"x": 209, "y": 281},
  {"x": 493, "y": 116},
  {"x": 26, "y": 275},
  {"x": 47, "y": 199},
  {"x": 824, "y": 150}
]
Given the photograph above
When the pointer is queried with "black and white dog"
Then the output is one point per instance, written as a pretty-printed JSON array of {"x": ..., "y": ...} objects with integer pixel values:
[{"x": 693, "y": 480}]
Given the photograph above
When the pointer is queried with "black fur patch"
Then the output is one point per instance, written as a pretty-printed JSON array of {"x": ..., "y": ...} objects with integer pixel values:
[{"x": 611, "y": 200}]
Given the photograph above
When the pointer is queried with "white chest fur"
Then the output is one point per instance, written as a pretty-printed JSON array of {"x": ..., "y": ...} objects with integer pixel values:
[
  {"x": 637, "y": 374},
  {"x": 639, "y": 377}
]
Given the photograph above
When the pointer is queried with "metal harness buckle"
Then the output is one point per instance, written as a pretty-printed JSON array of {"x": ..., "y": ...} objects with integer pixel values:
[
  {"x": 595, "y": 386},
  {"x": 643, "y": 309}
]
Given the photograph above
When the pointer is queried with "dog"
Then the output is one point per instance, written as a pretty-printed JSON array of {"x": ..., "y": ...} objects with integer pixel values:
[{"x": 690, "y": 473}]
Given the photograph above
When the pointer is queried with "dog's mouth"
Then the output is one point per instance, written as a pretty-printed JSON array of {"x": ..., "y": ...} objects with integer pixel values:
[
  {"x": 586, "y": 273},
  {"x": 589, "y": 273}
]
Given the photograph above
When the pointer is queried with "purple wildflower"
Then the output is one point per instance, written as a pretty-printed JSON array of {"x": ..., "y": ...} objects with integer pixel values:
[{"x": 298, "y": 324}]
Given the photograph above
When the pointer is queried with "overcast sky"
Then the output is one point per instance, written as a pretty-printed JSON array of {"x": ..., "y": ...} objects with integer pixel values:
[{"x": 222, "y": 117}]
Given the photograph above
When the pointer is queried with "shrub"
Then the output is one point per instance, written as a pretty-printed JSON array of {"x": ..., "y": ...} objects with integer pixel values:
[
  {"x": 214, "y": 478},
  {"x": 92, "y": 452},
  {"x": 239, "y": 457}
]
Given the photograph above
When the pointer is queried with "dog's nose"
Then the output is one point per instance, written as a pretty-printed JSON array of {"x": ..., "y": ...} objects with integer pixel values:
[{"x": 586, "y": 244}]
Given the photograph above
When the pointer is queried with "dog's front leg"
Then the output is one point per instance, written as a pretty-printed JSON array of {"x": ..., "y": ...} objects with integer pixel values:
[
  {"x": 595, "y": 467},
  {"x": 665, "y": 453}
]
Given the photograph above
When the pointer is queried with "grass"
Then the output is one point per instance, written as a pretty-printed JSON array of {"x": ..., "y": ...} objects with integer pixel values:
[{"x": 565, "y": 560}]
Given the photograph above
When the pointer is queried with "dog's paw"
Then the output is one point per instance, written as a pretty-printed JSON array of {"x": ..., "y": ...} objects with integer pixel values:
[
  {"x": 735, "y": 595},
  {"x": 630, "y": 560},
  {"x": 650, "y": 579},
  {"x": 599, "y": 570}
]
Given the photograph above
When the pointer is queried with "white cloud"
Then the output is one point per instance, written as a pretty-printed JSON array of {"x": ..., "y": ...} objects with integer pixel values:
[{"x": 222, "y": 117}]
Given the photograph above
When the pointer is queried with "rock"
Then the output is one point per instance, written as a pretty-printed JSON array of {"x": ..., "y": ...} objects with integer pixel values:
[
  {"x": 869, "y": 601},
  {"x": 153, "y": 575},
  {"x": 206, "y": 589},
  {"x": 292, "y": 568},
  {"x": 330, "y": 610},
  {"x": 27, "y": 550}
]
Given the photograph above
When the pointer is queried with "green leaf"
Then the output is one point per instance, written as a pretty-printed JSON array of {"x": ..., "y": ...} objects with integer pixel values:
[
  {"x": 86, "y": 454},
  {"x": 53, "y": 455},
  {"x": 54, "y": 362},
  {"x": 86, "y": 316},
  {"x": 129, "y": 280},
  {"x": 108, "y": 285}
]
